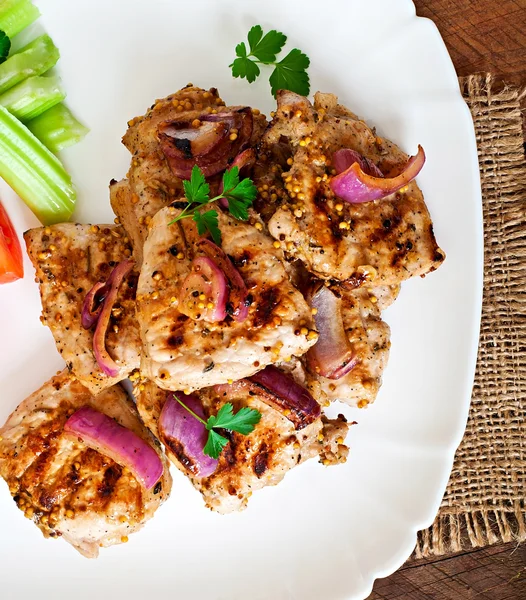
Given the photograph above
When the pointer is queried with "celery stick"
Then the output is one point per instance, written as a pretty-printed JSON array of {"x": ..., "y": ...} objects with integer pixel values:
[
  {"x": 33, "y": 172},
  {"x": 57, "y": 128},
  {"x": 34, "y": 59},
  {"x": 20, "y": 15},
  {"x": 7, "y": 5},
  {"x": 33, "y": 96}
]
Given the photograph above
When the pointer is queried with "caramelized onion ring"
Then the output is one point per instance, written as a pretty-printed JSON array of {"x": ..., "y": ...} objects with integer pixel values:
[
  {"x": 332, "y": 356},
  {"x": 184, "y": 435},
  {"x": 126, "y": 448},
  {"x": 211, "y": 146},
  {"x": 354, "y": 185},
  {"x": 104, "y": 360}
]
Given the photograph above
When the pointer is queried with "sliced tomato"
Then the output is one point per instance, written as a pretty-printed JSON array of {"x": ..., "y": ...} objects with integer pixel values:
[{"x": 11, "y": 264}]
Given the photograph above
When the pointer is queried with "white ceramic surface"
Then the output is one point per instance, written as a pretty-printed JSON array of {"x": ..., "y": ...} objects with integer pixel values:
[{"x": 322, "y": 533}]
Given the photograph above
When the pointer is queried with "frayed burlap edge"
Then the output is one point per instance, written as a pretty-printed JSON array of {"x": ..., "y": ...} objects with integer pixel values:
[{"x": 484, "y": 501}]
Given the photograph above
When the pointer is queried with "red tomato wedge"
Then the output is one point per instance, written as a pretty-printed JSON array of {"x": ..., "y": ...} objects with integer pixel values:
[{"x": 11, "y": 265}]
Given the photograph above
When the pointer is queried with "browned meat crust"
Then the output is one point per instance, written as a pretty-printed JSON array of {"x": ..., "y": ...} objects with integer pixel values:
[
  {"x": 382, "y": 242},
  {"x": 69, "y": 259},
  {"x": 150, "y": 184},
  {"x": 251, "y": 462},
  {"x": 180, "y": 353},
  {"x": 67, "y": 489},
  {"x": 370, "y": 339}
]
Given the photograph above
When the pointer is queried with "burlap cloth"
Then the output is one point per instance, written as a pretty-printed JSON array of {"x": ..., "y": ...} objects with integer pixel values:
[{"x": 485, "y": 499}]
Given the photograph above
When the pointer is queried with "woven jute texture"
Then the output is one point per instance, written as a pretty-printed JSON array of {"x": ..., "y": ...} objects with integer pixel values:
[{"x": 485, "y": 499}]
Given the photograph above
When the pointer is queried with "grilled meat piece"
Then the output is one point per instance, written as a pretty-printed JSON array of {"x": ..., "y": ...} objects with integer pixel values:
[
  {"x": 250, "y": 462},
  {"x": 150, "y": 183},
  {"x": 185, "y": 354},
  {"x": 381, "y": 242},
  {"x": 69, "y": 259},
  {"x": 66, "y": 488},
  {"x": 369, "y": 338}
]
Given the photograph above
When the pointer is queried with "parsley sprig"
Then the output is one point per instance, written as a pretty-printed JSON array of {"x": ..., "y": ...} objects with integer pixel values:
[
  {"x": 290, "y": 73},
  {"x": 239, "y": 194},
  {"x": 243, "y": 422}
]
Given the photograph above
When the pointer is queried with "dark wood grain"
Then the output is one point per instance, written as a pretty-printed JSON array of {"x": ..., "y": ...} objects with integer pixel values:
[
  {"x": 481, "y": 36},
  {"x": 492, "y": 573}
]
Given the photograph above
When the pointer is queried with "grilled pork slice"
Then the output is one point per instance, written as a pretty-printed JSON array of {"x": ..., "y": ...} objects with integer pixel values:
[
  {"x": 69, "y": 259},
  {"x": 381, "y": 242},
  {"x": 66, "y": 488},
  {"x": 250, "y": 462},
  {"x": 151, "y": 183},
  {"x": 181, "y": 353},
  {"x": 369, "y": 339}
]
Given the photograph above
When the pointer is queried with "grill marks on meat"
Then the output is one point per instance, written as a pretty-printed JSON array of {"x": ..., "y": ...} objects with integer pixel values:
[
  {"x": 369, "y": 337},
  {"x": 150, "y": 183},
  {"x": 393, "y": 235},
  {"x": 251, "y": 462},
  {"x": 178, "y": 351},
  {"x": 69, "y": 259},
  {"x": 67, "y": 489}
]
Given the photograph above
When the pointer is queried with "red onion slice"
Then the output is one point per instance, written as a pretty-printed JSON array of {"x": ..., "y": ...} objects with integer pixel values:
[
  {"x": 205, "y": 285},
  {"x": 185, "y": 436},
  {"x": 281, "y": 391},
  {"x": 237, "y": 298},
  {"x": 191, "y": 142},
  {"x": 354, "y": 185},
  {"x": 92, "y": 305},
  {"x": 344, "y": 158},
  {"x": 104, "y": 360},
  {"x": 332, "y": 356},
  {"x": 211, "y": 146},
  {"x": 105, "y": 435}
]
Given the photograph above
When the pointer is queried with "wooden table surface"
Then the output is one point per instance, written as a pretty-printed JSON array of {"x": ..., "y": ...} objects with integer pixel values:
[{"x": 481, "y": 35}]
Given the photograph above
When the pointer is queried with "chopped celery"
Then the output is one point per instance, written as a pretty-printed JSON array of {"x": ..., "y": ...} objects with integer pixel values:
[
  {"x": 57, "y": 128},
  {"x": 7, "y": 6},
  {"x": 33, "y": 172},
  {"x": 17, "y": 16},
  {"x": 34, "y": 59},
  {"x": 33, "y": 96}
]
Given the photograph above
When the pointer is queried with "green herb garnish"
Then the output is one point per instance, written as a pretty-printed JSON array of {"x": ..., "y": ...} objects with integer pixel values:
[
  {"x": 290, "y": 73},
  {"x": 5, "y": 46},
  {"x": 243, "y": 422},
  {"x": 239, "y": 195}
]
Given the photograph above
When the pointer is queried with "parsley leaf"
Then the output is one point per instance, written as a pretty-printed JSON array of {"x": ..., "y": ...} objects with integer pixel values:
[
  {"x": 196, "y": 189},
  {"x": 230, "y": 179},
  {"x": 208, "y": 222},
  {"x": 5, "y": 46},
  {"x": 245, "y": 68},
  {"x": 239, "y": 194},
  {"x": 215, "y": 444},
  {"x": 265, "y": 48},
  {"x": 290, "y": 73},
  {"x": 241, "y": 198},
  {"x": 242, "y": 422}
]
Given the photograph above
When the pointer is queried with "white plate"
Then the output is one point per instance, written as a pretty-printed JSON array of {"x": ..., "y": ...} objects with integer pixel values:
[{"x": 322, "y": 533}]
